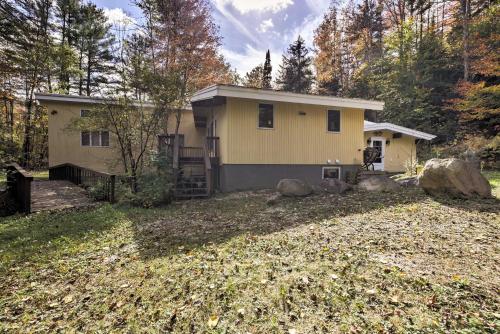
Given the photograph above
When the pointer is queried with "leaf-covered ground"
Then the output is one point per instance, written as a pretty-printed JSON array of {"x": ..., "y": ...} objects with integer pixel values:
[{"x": 360, "y": 263}]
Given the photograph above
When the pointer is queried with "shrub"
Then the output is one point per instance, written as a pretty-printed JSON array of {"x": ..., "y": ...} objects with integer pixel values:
[{"x": 155, "y": 185}]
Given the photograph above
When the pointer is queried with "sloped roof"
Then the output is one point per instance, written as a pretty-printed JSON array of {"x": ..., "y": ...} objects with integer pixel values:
[
  {"x": 371, "y": 126},
  {"x": 281, "y": 96}
]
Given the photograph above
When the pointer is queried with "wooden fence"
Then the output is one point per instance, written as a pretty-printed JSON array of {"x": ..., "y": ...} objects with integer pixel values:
[{"x": 19, "y": 186}]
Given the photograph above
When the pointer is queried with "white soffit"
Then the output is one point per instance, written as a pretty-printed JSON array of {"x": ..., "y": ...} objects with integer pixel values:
[
  {"x": 279, "y": 96},
  {"x": 370, "y": 126}
]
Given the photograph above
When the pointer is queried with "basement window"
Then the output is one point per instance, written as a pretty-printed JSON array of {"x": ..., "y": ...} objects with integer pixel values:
[
  {"x": 331, "y": 173},
  {"x": 333, "y": 120},
  {"x": 266, "y": 116}
]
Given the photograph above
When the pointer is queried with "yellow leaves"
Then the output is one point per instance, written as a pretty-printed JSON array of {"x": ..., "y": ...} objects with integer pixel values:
[
  {"x": 213, "y": 321},
  {"x": 68, "y": 299}
]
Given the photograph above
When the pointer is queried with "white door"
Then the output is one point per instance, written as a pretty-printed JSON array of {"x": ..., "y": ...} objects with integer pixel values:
[{"x": 379, "y": 143}]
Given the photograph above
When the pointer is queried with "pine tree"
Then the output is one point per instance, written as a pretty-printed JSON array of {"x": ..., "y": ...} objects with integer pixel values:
[
  {"x": 295, "y": 74},
  {"x": 267, "y": 72},
  {"x": 254, "y": 78},
  {"x": 66, "y": 15},
  {"x": 94, "y": 45}
]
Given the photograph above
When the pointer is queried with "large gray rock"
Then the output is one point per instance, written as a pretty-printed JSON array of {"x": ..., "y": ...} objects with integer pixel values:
[
  {"x": 453, "y": 176},
  {"x": 335, "y": 186},
  {"x": 378, "y": 183},
  {"x": 293, "y": 187}
]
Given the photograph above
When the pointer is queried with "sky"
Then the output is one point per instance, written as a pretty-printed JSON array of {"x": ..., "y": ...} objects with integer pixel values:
[{"x": 248, "y": 27}]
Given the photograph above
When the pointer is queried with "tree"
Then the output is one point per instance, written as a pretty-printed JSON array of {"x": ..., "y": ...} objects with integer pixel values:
[
  {"x": 328, "y": 51},
  {"x": 254, "y": 78},
  {"x": 267, "y": 72},
  {"x": 295, "y": 74},
  {"x": 93, "y": 43},
  {"x": 66, "y": 14}
]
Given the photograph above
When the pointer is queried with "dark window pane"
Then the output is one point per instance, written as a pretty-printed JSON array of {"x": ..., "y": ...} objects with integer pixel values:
[
  {"x": 334, "y": 120},
  {"x": 266, "y": 116},
  {"x": 331, "y": 173},
  {"x": 378, "y": 145},
  {"x": 104, "y": 138},
  {"x": 85, "y": 138},
  {"x": 94, "y": 138},
  {"x": 85, "y": 113}
]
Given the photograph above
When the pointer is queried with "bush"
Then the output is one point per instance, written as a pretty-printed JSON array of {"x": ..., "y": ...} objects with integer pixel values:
[
  {"x": 97, "y": 191},
  {"x": 155, "y": 186}
]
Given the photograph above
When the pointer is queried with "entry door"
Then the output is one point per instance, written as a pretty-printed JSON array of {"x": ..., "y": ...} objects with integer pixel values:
[{"x": 379, "y": 143}]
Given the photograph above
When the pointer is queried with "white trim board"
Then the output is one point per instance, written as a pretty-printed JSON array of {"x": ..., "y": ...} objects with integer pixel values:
[
  {"x": 80, "y": 99},
  {"x": 370, "y": 126},
  {"x": 280, "y": 96}
]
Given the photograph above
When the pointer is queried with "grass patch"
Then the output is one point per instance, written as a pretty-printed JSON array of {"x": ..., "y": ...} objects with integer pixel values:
[
  {"x": 494, "y": 178},
  {"x": 360, "y": 262}
]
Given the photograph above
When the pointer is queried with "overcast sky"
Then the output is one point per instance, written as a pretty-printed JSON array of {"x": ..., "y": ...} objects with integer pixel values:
[{"x": 249, "y": 27}]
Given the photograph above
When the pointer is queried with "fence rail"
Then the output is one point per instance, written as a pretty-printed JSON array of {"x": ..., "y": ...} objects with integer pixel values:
[
  {"x": 85, "y": 177},
  {"x": 19, "y": 186}
]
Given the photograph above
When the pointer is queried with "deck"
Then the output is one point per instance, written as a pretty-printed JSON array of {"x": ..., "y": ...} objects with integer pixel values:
[{"x": 57, "y": 195}]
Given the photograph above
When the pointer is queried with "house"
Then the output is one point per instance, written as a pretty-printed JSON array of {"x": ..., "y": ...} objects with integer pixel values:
[
  {"x": 237, "y": 138},
  {"x": 397, "y": 145}
]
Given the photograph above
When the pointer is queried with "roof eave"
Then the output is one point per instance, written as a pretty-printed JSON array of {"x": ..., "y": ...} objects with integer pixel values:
[{"x": 278, "y": 96}]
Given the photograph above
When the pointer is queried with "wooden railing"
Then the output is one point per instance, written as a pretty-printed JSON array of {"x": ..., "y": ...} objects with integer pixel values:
[
  {"x": 86, "y": 178},
  {"x": 19, "y": 186},
  {"x": 208, "y": 168},
  {"x": 191, "y": 152},
  {"x": 213, "y": 146}
]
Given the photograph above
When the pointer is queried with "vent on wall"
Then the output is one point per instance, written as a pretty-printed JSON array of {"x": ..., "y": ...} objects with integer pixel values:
[{"x": 397, "y": 135}]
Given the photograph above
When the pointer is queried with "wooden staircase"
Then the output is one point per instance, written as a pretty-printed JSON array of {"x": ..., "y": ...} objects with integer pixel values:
[
  {"x": 191, "y": 179},
  {"x": 192, "y": 170}
]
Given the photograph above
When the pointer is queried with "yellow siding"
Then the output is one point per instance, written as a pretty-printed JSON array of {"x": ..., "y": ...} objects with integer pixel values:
[
  {"x": 64, "y": 142},
  {"x": 192, "y": 136},
  {"x": 65, "y": 147},
  {"x": 295, "y": 139},
  {"x": 398, "y": 152}
]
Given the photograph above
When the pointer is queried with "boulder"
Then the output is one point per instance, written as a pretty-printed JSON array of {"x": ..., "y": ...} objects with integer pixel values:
[
  {"x": 378, "y": 183},
  {"x": 293, "y": 187},
  {"x": 408, "y": 182},
  {"x": 335, "y": 186},
  {"x": 453, "y": 176}
]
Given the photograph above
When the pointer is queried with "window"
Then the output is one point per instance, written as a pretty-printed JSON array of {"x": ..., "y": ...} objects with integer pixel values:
[
  {"x": 333, "y": 119},
  {"x": 266, "y": 116},
  {"x": 331, "y": 172},
  {"x": 84, "y": 113},
  {"x": 95, "y": 138}
]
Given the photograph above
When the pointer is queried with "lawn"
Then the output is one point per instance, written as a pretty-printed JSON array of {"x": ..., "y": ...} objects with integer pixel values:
[
  {"x": 494, "y": 178},
  {"x": 362, "y": 262}
]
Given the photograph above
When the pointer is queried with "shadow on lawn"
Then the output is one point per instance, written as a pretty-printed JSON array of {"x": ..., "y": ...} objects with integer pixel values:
[
  {"x": 191, "y": 224},
  {"x": 39, "y": 235}
]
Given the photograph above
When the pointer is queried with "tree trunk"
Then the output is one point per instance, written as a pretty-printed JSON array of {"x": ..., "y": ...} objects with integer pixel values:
[{"x": 465, "y": 37}]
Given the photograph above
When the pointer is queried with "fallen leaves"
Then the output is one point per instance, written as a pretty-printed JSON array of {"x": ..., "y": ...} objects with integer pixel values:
[{"x": 359, "y": 263}]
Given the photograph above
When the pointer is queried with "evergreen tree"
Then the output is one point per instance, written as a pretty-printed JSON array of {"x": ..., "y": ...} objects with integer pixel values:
[
  {"x": 66, "y": 15},
  {"x": 254, "y": 78},
  {"x": 295, "y": 74},
  {"x": 94, "y": 48},
  {"x": 267, "y": 72}
]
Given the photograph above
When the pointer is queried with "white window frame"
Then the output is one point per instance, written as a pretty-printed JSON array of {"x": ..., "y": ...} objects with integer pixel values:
[
  {"x": 90, "y": 135},
  {"x": 340, "y": 119},
  {"x": 258, "y": 114},
  {"x": 331, "y": 167}
]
